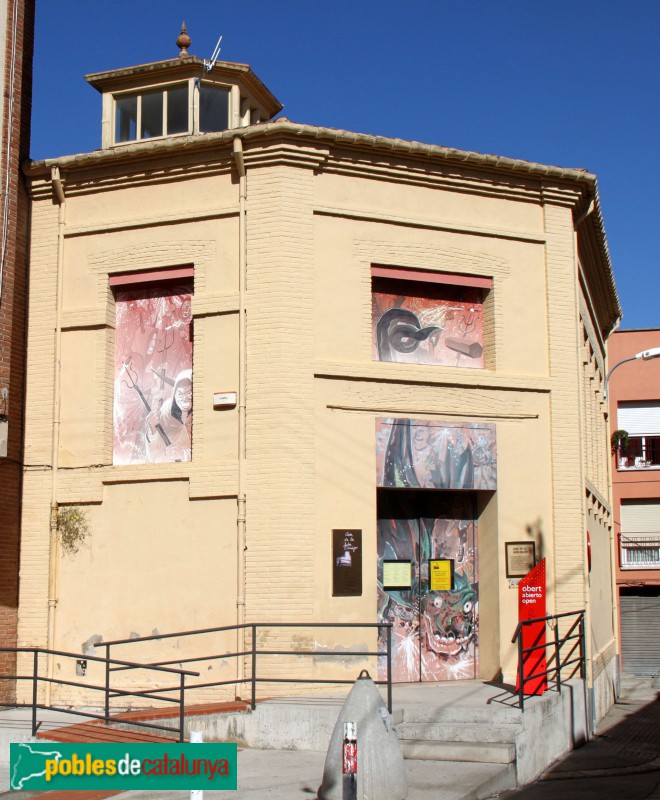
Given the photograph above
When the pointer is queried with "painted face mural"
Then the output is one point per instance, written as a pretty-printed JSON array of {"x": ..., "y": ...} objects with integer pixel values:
[
  {"x": 449, "y": 627},
  {"x": 434, "y": 633},
  {"x": 152, "y": 416}
]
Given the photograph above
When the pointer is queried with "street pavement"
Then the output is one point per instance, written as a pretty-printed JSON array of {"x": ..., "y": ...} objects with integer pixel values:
[{"x": 622, "y": 762}]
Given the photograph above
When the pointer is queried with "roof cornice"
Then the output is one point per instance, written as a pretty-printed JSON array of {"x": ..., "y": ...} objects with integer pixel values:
[{"x": 283, "y": 126}]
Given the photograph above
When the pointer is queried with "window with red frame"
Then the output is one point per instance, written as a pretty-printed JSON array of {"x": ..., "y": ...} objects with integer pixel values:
[
  {"x": 152, "y": 413},
  {"x": 433, "y": 318}
]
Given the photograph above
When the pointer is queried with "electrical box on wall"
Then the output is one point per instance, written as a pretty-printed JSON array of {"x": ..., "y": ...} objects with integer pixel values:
[
  {"x": 224, "y": 399},
  {"x": 4, "y": 435}
]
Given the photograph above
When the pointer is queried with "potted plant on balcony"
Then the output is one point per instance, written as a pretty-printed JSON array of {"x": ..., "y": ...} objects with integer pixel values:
[{"x": 620, "y": 441}]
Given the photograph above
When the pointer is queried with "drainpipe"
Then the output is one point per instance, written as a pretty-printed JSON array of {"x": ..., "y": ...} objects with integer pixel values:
[
  {"x": 53, "y": 550},
  {"x": 241, "y": 546},
  {"x": 614, "y": 558}
]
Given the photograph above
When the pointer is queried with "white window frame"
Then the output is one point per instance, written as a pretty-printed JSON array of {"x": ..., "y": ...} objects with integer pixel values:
[
  {"x": 641, "y": 420},
  {"x": 233, "y": 102},
  {"x": 639, "y": 537},
  {"x": 233, "y": 119},
  {"x": 139, "y": 93}
]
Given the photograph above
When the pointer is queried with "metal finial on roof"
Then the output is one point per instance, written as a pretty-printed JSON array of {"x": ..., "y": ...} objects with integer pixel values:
[{"x": 183, "y": 41}]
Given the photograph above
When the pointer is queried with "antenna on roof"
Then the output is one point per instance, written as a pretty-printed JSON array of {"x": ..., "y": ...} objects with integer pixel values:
[{"x": 208, "y": 65}]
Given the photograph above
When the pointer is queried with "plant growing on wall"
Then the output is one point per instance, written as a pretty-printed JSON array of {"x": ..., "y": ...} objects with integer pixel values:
[
  {"x": 72, "y": 528},
  {"x": 619, "y": 442}
]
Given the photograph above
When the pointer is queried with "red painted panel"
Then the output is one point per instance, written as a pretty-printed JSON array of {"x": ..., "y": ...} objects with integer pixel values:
[
  {"x": 401, "y": 273},
  {"x": 531, "y": 605},
  {"x": 151, "y": 275}
]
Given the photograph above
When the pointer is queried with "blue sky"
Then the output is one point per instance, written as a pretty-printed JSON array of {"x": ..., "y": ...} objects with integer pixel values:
[{"x": 572, "y": 83}]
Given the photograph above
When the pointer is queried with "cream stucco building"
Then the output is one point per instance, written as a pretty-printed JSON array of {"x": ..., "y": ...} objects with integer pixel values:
[{"x": 284, "y": 351}]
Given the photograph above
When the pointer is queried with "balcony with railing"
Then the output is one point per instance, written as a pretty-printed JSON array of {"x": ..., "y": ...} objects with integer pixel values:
[
  {"x": 642, "y": 452},
  {"x": 639, "y": 550}
]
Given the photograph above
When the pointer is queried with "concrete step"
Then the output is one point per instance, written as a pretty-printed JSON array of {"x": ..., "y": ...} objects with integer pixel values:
[
  {"x": 479, "y": 752},
  {"x": 499, "y": 714},
  {"x": 458, "y": 780},
  {"x": 503, "y": 733}
]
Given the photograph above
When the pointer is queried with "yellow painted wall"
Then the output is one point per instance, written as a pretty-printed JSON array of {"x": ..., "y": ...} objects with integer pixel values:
[{"x": 163, "y": 552}]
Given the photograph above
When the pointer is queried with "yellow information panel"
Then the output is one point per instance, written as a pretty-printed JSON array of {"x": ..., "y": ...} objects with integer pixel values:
[
  {"x": 441, "y": 575},
  {"x": 397, "y": 574}
]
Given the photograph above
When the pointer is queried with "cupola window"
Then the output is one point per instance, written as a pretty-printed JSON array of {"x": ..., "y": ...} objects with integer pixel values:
[
  {"x": 153, "y": 113},
  {"x": 213, "y": 109}
]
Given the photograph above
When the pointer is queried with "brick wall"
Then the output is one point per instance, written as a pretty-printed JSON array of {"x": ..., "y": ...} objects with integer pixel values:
[
  {"x": 280, "y": 436},
  {"x": 15, "y": 149},
  {"x": 568, "y": 478}
]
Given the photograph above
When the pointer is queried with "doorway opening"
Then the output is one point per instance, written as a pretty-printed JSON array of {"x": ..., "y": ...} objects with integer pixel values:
[{"x": 428, "y": 583}]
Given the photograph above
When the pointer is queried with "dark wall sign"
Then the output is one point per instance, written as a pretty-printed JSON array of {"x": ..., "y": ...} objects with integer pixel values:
[{"x": 346, "y": 563}]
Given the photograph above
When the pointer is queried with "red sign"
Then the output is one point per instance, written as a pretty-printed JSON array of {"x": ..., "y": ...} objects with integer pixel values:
[{"x": 531, "y": 605}]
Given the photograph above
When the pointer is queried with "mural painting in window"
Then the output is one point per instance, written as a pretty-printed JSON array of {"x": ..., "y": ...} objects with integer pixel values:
[
  {"x": 153, "y": 375},
  {"x": 429, "y": 454},
  {"x": 423, "y": 323}
]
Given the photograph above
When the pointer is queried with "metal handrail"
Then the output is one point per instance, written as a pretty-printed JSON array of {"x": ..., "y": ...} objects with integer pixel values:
[
  {"x": 555, "y": 663},
  {"x": 254, "y": 652},
  {"x": 151, "y": 694}
]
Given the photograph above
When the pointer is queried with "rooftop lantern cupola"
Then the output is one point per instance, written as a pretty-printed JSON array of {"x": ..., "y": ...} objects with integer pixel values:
[{"x": 180, "y": 97}]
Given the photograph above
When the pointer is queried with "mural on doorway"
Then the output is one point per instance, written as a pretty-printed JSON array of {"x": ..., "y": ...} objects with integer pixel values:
[
  {"x": 429, "y": 454},
  {"x": 441, "y": 325},
  {"x": 434, "y": 633}
]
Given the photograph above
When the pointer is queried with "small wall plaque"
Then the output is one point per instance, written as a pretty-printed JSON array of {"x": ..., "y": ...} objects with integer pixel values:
[
  {"x": 397, "y": 574},
  {"x": 520, "y": 558}
]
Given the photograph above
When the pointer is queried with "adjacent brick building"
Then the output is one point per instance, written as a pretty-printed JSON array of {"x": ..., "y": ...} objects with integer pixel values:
[
  {"x": 16, "y": 45},
  {"x": 634, "y": 399},
  {"x": 395, "y": 354}
]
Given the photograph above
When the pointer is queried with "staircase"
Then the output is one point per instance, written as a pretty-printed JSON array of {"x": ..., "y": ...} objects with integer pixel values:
[
  {"x": 471, "y": 730},
  {"x": 485, "y": 735}
]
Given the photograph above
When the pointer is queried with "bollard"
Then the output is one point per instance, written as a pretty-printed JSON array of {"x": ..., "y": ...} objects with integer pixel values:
[
  {"x": 364, "y": 735},
  {"x": 349, "y": 762},
  {"x": 196, "y": 737}
]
